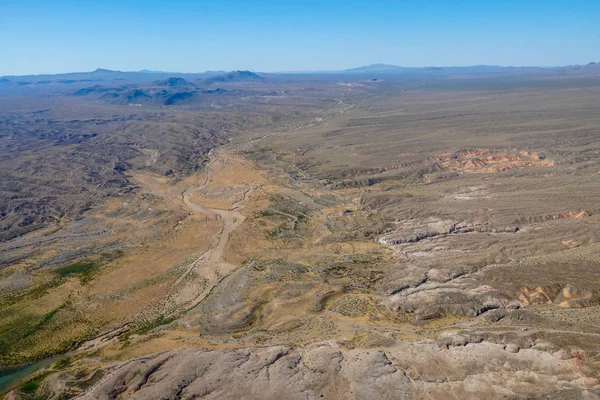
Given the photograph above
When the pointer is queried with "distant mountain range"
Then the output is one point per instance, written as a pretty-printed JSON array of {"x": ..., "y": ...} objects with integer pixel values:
[
  {"x": 144, "y": 76},
  {"x": 105, "y": 75},
  {"x": 212, "y": 77},
  {"x": 170, "y": 91},
  {"x": 474, "y": 69}
]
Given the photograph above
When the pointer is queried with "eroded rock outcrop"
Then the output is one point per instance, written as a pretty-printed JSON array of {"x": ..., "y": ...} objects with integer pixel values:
[{"x": 464, "y": 369}]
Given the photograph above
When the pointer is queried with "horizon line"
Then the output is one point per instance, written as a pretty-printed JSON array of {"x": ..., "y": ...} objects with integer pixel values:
[{"x": 308, "y": 71}]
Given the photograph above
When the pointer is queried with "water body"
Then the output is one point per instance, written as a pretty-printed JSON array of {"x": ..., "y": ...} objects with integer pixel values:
[{"x": 9, "y": 378}]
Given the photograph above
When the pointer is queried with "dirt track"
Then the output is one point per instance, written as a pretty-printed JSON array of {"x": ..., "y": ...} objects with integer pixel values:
[{"x": 210, "y": 265}]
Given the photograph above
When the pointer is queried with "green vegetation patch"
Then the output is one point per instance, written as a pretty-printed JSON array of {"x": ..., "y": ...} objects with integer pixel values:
[
  {"x": 63, "y": 363},
  {"x": 16, "y": 334},
  {"x": 21, "y": 330},
  {"x": 46, "y": 318},
  {"x": 31, "y": 386},
  {"x": 84, "y": 270},
  {"x": 146, "y": 326}
]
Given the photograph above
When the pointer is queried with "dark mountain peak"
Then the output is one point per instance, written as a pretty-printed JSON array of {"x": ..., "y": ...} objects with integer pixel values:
[
  {"x": 235, "y": 76},
  {"x": 178, "y": 98},
  {"x": 137, "y": 94},
  {"x": 173, "y": 82},
  {"x": 246, "y": 74}
]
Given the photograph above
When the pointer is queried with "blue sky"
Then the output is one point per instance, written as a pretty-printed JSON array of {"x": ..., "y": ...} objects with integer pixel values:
[{"x": 51, "y": 36}]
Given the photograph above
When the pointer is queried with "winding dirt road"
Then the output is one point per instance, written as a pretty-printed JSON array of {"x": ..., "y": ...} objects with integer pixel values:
[{"x": 211, "y": 265}]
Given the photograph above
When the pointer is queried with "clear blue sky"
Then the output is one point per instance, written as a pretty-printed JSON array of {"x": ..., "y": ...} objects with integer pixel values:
[{"x": 50, "y": 36}]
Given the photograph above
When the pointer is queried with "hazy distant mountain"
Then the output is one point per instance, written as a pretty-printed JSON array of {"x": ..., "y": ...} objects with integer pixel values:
[
  {"x": 105, "y": 71},
  {"x": 473, "y": 69},
  {"x": 234, "y": 76},
  {"x": 104, "y": 75},
  {"x": 173, "y": 79},
  {"x": 378, "y": 68}
]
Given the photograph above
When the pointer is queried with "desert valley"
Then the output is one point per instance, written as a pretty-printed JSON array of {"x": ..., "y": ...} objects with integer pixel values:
[{"x": 380, "y": 232}]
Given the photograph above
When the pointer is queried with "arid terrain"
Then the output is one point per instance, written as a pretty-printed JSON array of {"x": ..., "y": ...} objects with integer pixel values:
[{"x": 425, "y": 235}]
